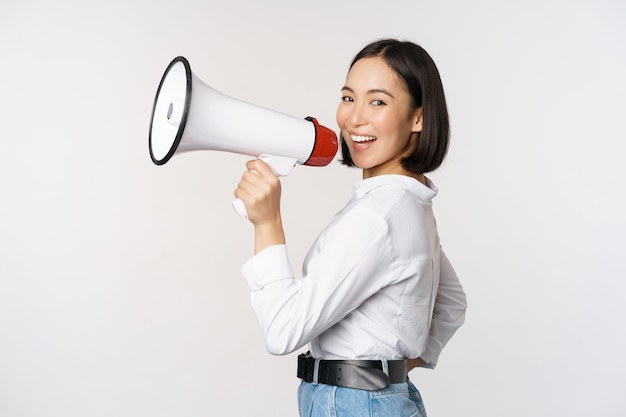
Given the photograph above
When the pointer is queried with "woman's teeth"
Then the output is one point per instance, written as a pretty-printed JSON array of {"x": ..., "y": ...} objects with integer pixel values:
[{"x": 362, "y": 138}]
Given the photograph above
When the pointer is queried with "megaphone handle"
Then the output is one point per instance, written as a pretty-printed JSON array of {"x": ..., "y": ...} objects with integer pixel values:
[
  {"x": 240, "y": 208},
  {"x": 280, "y": 166}
]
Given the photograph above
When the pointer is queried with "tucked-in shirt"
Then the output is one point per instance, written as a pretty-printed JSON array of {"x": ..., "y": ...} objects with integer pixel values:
[{"x": 374, "y": 285}]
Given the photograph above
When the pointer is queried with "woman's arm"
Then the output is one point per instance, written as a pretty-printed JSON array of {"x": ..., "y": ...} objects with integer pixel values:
[
  {"x": 448, "y": 313},
  {"x": 292, "y": 311}
]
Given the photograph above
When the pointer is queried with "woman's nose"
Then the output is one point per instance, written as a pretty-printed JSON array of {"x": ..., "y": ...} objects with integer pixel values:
[{"x": 357, "y": 116}]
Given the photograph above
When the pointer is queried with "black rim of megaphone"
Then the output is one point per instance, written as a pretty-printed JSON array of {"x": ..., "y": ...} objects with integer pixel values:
[{"x": 183, "y": 120}]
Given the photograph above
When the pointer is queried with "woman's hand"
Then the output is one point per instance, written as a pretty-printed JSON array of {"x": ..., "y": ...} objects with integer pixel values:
[
  {"x": 413, "y": 363},
  {"x": 260, "y": 190}
]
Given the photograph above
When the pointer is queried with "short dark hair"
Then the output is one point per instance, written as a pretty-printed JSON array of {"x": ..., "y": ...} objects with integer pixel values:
[{"x": 421, "y": 78}]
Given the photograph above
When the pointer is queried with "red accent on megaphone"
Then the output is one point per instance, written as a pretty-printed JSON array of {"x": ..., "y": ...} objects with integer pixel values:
[{"x": 325, "y": 147}]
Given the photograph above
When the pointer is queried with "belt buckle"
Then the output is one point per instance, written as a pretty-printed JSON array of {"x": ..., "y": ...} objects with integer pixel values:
[{"x": 306, "y": 366}]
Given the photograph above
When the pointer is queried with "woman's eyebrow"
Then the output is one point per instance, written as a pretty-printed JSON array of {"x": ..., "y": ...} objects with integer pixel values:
[{"x": 372, "y": 91}]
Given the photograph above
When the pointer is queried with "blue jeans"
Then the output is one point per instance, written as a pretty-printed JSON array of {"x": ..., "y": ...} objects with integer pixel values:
[{"x": 397, "y": 400}]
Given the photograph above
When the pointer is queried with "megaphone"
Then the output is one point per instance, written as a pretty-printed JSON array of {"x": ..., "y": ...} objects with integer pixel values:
[{"x": 189, "y": 115}]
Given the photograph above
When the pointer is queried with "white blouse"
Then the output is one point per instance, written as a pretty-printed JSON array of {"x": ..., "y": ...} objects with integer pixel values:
[{"x": 375, "y": 284}]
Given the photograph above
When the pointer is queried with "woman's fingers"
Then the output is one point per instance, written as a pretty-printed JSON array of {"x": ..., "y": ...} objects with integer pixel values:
[{"x": 259, "y": 190}]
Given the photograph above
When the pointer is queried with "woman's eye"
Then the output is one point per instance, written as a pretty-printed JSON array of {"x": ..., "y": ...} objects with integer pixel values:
[
  {"x": 347, "y": 99},
  {"x": 378, "y": 103}
]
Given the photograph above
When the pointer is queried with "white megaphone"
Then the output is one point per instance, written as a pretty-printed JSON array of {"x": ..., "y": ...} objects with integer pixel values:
[{"x": 188, "y": 115}]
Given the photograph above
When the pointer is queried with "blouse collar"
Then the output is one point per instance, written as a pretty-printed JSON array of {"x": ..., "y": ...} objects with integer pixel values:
[{"x": 424, "y": 192}]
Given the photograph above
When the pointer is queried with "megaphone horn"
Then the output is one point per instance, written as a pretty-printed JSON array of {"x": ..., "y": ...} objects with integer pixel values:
[{"x": 188, "y": 115}]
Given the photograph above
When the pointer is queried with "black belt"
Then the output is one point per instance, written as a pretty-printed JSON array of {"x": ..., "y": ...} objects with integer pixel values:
[{"x": 361, "y": 374}]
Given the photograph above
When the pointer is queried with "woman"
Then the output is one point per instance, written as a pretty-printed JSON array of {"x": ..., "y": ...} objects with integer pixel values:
[{"x": 377, "y": 296}]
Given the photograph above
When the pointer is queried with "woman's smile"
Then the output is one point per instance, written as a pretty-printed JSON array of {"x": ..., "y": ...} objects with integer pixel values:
[{"x": 362, "y": 138}]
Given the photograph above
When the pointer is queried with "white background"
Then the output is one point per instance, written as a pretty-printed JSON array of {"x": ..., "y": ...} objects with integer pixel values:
[{"x": 120, "y": 290}]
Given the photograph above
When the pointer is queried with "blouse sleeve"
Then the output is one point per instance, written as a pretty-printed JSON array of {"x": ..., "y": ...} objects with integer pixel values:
[
  {"x": 448, "y": 313},
  {"x": 292, "y": 311}
]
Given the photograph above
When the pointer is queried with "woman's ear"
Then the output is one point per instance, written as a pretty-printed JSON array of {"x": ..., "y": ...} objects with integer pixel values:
[{"x": 418, "y": 118}]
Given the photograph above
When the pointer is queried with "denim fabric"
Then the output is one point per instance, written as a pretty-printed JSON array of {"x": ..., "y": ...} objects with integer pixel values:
[{"x": 397, "y": 400}]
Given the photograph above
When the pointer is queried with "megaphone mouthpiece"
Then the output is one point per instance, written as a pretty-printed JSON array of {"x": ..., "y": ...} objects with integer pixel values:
[{"x": 325, "y": 146}]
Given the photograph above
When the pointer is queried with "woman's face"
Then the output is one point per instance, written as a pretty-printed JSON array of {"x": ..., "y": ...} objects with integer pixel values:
[{"x": 376, "y": 118}]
